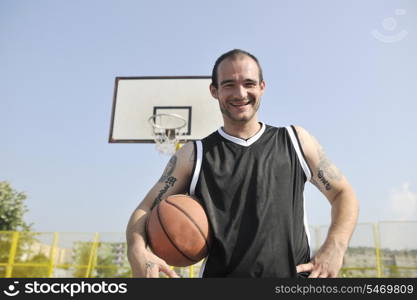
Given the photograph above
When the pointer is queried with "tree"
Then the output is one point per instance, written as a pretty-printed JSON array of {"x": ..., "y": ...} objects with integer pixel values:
[
  {"x": 33, "y": 271},
  {"x": 82, "y": 256},
  {"x": 12, "y": 209},
  {"x": 108, "y": 260},
  {"x": 112, "y": 260}
]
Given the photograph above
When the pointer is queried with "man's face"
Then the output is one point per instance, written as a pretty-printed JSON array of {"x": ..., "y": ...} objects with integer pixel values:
[{"x": 239, "y": 90}]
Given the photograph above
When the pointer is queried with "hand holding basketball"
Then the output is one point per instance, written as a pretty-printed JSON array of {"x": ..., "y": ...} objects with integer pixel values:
[
  {"x": 146, "y": 264},
  {"x": 178, "y": 231}
]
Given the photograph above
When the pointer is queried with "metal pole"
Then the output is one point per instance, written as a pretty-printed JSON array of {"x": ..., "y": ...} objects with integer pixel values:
[
  {"x": 377, "y": 241},
  {"x": 191, "y": 271},
  {"x": 12, "y": 254},
  {"x": 52, "y": 255},
  {"x": 91, "y": 258}
]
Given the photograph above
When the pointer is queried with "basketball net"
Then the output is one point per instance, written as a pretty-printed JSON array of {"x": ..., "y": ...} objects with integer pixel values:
[{"x": 167, "y": 130}]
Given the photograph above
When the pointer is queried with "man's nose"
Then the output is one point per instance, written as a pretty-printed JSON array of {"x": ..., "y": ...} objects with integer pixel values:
[{"x": 240, "y": 92}]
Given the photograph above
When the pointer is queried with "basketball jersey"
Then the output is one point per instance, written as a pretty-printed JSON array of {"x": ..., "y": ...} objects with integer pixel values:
[{"x": 252, "y": 192}]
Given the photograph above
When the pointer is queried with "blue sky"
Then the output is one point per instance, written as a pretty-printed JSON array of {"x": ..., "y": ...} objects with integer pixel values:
[{"x": 325, "y": 70}]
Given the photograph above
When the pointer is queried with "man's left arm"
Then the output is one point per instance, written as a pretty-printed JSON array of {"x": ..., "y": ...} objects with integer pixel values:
[{"x": 344, "y": 209}]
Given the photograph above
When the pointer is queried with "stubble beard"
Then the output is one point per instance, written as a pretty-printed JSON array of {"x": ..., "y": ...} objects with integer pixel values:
[{"x": 242, "y": 119}]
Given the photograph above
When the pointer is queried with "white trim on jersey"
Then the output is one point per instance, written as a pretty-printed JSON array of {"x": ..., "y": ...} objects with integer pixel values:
[
  {"x": 196, "y": 174},
  {"x": 307, "y": 172},
  {"x": 243, "y": 142},
  {"x": 306, "y": 227},
  {"x": 199, "y": 160},
  {"x": 303, "y": 162}
]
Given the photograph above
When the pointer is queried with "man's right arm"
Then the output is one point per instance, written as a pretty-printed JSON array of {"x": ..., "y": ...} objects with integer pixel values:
[{"x": 174, "y": 180}]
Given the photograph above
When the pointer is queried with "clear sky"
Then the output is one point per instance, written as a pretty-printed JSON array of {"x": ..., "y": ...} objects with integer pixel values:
[{"x": 344, "y": 70}]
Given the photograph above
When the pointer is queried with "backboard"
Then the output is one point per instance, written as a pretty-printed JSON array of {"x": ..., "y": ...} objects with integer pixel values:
[{"x": 136, "y": 99}]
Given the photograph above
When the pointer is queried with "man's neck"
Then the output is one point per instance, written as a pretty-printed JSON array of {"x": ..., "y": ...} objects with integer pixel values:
[{"x": 242, "y": 130}]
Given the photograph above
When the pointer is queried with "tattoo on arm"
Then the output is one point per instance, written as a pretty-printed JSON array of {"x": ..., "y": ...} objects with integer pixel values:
[
  {"x": 323, "y": 180},
  {"x": 166, "y": 178},
  {"x": 327, "y": 171},
  {"x": 169, "y": 169},
  {"x": 169, "y": 182},
  {"x": 327, "y": 166}
]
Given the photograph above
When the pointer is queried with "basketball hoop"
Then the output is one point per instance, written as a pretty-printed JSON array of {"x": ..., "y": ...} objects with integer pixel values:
[{"x": 167, "y": 130}]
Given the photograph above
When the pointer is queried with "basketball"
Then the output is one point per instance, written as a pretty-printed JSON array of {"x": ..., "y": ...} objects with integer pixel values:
[{"x": 178, "y": 231}]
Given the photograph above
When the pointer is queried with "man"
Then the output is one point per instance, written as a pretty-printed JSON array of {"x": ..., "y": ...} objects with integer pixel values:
[{"x": 250, "y": 179}]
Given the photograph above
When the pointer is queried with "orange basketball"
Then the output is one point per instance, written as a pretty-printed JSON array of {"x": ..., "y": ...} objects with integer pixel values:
[{"x": 178, "y": 231}]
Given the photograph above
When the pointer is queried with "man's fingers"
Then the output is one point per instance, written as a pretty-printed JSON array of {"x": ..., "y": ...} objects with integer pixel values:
[
  {"x": 152, "y": 270},
  {"x": 167, "y": 270},
  {"x": 315, "y": 273},
  {"x": 308, "y": 267},
  {"x": 332, "y": 275}
]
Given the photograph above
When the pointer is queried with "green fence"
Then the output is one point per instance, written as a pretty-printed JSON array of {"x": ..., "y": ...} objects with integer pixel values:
[{"x": 385, "y": 249}]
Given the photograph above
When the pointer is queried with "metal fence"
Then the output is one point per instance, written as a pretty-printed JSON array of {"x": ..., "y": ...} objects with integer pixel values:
[{"x": 384, "y": 249}]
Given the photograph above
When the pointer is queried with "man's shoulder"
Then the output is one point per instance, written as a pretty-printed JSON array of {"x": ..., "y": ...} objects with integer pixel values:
[{"x": 300, "y": 131}]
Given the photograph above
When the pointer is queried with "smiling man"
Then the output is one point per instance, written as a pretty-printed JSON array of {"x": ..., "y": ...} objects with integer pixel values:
[
  {"x": 239, "y": 88},
  {"x": 250, "y": 179}
]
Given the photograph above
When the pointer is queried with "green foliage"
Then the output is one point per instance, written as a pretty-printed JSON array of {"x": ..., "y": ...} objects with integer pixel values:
[
  {"x": 33, "y": 271},
  {"x": 111, "y": 261},
  {"x": 109, "y": 268},
  {"x": 108, "y": 260},
  {"x": 12, "y": 209},
  {"x": 28, "y": 261},
  {"x": 82, "y": 253}
]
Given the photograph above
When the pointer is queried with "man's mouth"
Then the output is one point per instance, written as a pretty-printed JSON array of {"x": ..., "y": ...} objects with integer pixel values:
[{"x": 240, "y": 104}]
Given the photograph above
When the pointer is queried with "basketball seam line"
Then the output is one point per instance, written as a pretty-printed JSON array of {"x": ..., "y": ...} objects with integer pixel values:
[
  {"x": 191, "y": 219},
  {"x": 172, "y": 242}
]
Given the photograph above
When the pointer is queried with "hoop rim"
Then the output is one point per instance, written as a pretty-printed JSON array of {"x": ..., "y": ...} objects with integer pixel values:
[{"x": 154, "y": 125}]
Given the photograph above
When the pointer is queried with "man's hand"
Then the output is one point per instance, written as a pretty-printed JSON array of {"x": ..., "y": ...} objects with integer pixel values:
[
  {"x": 178, "y": 172},
  {"x": 326, "y": 263},
  {"x": 145, "y": 264},
  {"x": 344, "y": 212}
]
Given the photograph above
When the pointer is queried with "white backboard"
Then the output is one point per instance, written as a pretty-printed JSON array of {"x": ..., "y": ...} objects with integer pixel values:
[{"x": 136, "y": 99}]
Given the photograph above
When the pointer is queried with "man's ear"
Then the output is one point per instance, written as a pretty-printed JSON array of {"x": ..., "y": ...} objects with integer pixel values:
[
  {"x": 263, "y": 85},
  {"x": 213, "y": 91}
]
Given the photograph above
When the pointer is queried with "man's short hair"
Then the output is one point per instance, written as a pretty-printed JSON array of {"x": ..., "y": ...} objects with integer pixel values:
[{"x": 233, "y": 54}]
